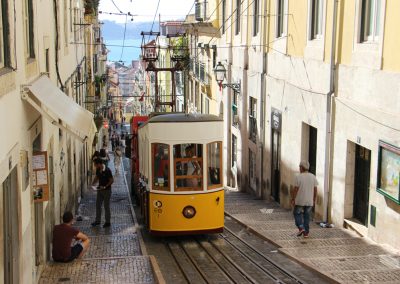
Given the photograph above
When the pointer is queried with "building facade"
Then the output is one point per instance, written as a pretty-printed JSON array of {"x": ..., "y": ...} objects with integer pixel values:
[
  {"x": 317, "y": 81},
  {"x": 42, "y": 107}
]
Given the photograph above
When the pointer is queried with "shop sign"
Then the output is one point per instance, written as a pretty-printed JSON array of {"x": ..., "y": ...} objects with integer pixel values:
[
  {"x": 40, "y": 180},
  {"x": 276, "y": 119},
  {"x": 389, "y": 171}
]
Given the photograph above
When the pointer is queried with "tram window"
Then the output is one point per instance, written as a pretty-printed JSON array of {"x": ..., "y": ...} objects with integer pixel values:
[
  {"x": 188, "y": 163},
  {"x": 160, "y": 154},
  {"x": 214, "y": 161}
]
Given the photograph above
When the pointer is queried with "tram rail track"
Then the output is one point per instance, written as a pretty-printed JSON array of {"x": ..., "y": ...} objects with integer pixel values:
[{"x": 226, "y": 259}]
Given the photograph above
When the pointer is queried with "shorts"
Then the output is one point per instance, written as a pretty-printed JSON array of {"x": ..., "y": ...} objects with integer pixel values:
[{"x": 75, "y": 252}]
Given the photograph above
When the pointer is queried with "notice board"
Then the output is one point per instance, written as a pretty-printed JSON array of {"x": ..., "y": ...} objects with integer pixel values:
[{"x": 40, "y": 174}]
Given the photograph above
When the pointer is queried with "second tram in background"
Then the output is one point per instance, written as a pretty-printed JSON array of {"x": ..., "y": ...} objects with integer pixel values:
[{"x": 178, "y": 174}]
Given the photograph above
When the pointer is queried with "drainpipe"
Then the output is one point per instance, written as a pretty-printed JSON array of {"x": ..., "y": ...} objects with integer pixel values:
[
  {"x": 328, "y": 128},
  {"x": 262, "y": 109}
]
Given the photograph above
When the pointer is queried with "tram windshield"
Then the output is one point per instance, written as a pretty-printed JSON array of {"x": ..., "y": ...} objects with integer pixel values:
[
  {"x": 188, "y": 163},
  {"x": 160, "y": 154},
  {"x": 214, "y": 162}
]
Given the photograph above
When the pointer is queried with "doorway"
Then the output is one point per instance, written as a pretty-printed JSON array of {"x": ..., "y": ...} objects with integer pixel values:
[
  {"x": 10, "y": 228},
  {"x": 312, "y": 149},
  {"x": 275, "y": 164},
  {"x": 38, "y": 213},
  {"x": 361, "y": 184}
]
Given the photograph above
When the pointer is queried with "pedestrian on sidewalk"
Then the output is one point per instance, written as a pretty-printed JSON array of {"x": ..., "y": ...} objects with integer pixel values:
[
  {"x": 63, "y": 235},
  {"x": 104, "y": 157},
  {"x": 105, "y": 179},
  {"x": 303, "y": 198},
  {"x": 117, "y": 159}
]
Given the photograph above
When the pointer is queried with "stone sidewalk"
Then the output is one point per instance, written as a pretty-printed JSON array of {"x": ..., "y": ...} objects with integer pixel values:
[
  {"x": 339, "y": 254},
  {"x": 115, "y": 254}
]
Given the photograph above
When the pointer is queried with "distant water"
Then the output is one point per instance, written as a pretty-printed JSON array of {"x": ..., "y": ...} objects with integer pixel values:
[{"x": 131, "y": 50}]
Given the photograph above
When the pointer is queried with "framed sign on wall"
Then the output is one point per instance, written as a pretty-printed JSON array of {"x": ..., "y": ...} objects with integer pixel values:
[
  {"x": 389, "y": 171},
  {"x": 40, "y": 181}
]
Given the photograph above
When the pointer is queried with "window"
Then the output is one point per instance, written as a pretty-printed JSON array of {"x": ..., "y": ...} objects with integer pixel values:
[
  {"x": 47, "y": 58},
  {"x": 160, "y": 154},
  {"x": 207, "y": 105},
  {"x": 214, "y": 162},
  {"x": 188, "y": 165},
  {"x": 4, "y": 38},
  {"x": 223, "y": 16},
  {"x": 253, "y": 120},
  {"x": 234, "y": 150},
  {"x": 252, "y": 170},
  {"x": 370, "y": 20},
  {"x": 237, "y": 25},
  {"x": 30, "y": 47},
  {"x": 235, "y": 117},
  {"x": 317, "y": 7},
  {"x": 255, "y": 17},
  {"x": 280, "y": 18}
]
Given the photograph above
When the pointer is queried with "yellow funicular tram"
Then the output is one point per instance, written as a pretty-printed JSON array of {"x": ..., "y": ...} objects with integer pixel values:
[{"x": 180, "y": 165}]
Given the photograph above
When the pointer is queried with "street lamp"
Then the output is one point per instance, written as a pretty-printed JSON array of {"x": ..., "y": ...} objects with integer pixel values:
[{"x": 220, "y": 73}]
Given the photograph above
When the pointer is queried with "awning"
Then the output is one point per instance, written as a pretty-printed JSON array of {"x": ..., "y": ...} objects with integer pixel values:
[{"x": 55, "y": 105}]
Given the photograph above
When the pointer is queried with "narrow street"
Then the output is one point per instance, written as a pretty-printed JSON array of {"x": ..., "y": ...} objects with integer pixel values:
[{"x": 115, "y": 255}]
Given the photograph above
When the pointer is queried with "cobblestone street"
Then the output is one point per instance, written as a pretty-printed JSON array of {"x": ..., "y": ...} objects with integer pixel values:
[
  {"x": 115, "y": 254},
  {"x": 337, "y": 253}
]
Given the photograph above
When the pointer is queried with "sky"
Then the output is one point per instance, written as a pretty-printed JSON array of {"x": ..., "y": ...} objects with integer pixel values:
[{"x": 145, "y": 9}]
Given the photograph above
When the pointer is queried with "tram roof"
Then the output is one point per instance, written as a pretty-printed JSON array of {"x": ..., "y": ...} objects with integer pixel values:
[{"x": 183, "y": 117}]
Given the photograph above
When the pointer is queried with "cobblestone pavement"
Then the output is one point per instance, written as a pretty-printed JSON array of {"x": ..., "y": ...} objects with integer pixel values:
[
  {"x": 337, "y": 253},
  {"x": 115, "y": 254}
]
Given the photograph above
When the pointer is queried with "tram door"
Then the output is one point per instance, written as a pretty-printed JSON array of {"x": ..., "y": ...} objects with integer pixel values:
[{"x": 361, "y": 184}]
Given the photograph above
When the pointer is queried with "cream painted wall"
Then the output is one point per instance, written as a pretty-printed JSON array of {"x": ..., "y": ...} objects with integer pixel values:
[
  {"x": 297, "y": 27},
  {"x": 391, "y": 57},
  {"x": 18, "y": 117}
]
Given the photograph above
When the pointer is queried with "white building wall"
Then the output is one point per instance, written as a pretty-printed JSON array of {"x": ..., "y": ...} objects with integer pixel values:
[
  {"x": 365, "y": 113},
  {"x": 297, "y": 87},
  {"x": 21, "y": 123}
]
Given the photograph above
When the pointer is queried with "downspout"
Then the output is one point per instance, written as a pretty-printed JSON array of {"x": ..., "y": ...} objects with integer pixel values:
[
  {"x": 262, "y": 110},
  {"x": 328, "y": 127},
  {"x": 56, "y": 42}
]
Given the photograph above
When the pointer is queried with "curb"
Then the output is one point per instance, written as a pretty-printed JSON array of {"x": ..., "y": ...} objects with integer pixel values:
[
  {"x": 137, "y": 227},
  {"x": 159, "y": 278},
  {"x": 156, "y": 270},
  {"x": 306, "y": 265}
]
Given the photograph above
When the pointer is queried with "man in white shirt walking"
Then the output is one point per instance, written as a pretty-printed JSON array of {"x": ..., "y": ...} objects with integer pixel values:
[{"x": 303, "y": 199}]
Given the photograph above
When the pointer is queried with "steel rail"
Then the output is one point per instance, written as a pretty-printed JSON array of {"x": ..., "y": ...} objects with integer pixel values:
[
  {"x": 235, "y": 265},
  {"x": 168, "y": 245},
  {"x": 273, "y": 263}
]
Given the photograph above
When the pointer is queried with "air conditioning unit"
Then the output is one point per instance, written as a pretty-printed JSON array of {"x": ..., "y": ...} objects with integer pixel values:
[
  {"x": 198, "y": 11},
  {"x": 235, "y": 118}
]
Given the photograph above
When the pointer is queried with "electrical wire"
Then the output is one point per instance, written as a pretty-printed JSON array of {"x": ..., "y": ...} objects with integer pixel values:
[
  {"x": 123, "y": 41},
  {"x": 155, "y": 15},
  {"x": 116, "y": 6}
]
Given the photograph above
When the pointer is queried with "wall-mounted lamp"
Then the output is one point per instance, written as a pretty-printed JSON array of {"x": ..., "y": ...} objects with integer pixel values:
[{"x": 220, "y": 73}]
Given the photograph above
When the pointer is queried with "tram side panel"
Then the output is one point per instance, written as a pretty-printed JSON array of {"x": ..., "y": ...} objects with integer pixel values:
[{"x": 186, "y": 213}]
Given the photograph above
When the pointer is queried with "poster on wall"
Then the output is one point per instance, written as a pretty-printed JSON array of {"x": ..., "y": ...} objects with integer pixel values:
[
  {"x": 40, "y": 181},
  {"x": 389, "y": 171}
]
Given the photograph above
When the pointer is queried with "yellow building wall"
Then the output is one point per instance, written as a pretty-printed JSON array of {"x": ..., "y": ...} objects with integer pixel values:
[
  {"x": 271, "y": 26},
  {"x": 391, "y": 43},
  {"x": 297, "y": 27}
]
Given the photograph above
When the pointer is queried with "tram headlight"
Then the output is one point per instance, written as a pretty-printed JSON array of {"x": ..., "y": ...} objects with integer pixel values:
[{"x": 189, "y": 212}]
